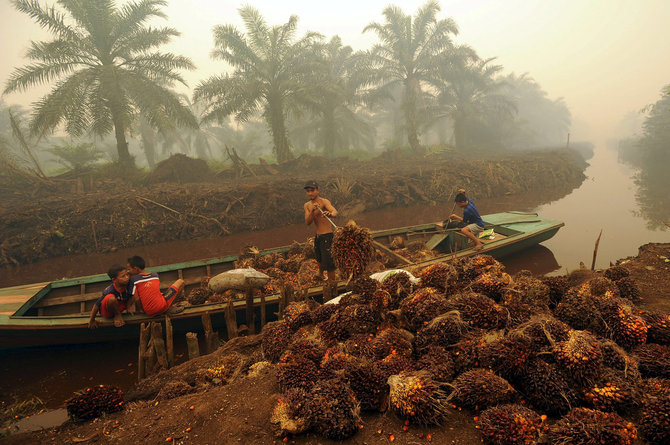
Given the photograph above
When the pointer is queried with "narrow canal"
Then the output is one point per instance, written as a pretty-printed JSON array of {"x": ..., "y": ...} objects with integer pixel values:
[{"x": 606, "y": 200}]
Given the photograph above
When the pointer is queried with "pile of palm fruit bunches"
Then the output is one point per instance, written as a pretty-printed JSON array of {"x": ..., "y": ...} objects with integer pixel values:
[
  {"x": 567, "y": 359},
  {"x": 352, "y": 251}
]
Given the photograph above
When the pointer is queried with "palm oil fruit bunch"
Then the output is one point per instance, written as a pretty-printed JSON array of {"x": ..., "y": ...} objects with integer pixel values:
[
  {"x": 655, "y": 387},
  {"x": 276, "y": 337},
  {"x": 436, "y": 275},
  {"x": 415, "y": 396},
  {"x": 334, "y": 410},
  {"x": 334, "y": 362},
  {"x": 464, "y": 353},
  {"x": 382, "y": 302},
  {"x": 421, "y": 306},
  {"x": 438, "y": 363},
  {"x": 615, "y": 357},
  {"x": 324, "y": 312},
  {"x": 352, "y": 249},
  {"x": 367, "y": 383},
  {"x": 308, "y": 275},
  {"x": 506, "y": 355},
  {"x": 311, "y": 348},
  {"x": 94, "y": 401},
  {"x": 359, "y": 345},
  {"x": 543, "y": 331},
  {"x": 393, "y": 364},
  {"x": 359, "y": 319},
  {"x": 518, "y": 313},
  {"x": 655, "y": 419},
  {"x": 615, "y": 273},
  {"x": 590, "y": 426},
  {"x": 546, "y": 388},
  {"x": 580, "y": 355},
  {"x": 528, "y": 290},
  {"x": 478, "y": 310},
  {"x": 332, "y": 330},
  {"x": 443, "y": 330},
  {"x": 365, "y": 287},
  {"x": 510, "y": 424},
  {"x": 609, "y": 393},
  {"x": 627, "y": 329},
  {"x": 557, "y": 288},
  {"x": 658, "y": 327},
  {"x": 653, "y": 360},
  {"x": 398, "y": 285},
  {"x": 199, "y": 295},
  {"x": 294, "y": 370},
  {"x": 391, "y": 341},
  {"x": 578, "y": 309},
  {"x": 480, "y": 388},
  {"x": 298, "y": 314},
  {"x": 628, "y": 289},
  {"x": 289, "y": 415},
  {"x": 492, "y": 284}
]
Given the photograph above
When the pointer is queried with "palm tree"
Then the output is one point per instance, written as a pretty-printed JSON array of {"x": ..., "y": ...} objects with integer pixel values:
[
  {"x": 271, "y": 69},
  {"x": 106, "y": 68},
  {"x": 470, "y": 92},
  {"x": 332, "y": 99},
  {"x": 407, "y": 54}
]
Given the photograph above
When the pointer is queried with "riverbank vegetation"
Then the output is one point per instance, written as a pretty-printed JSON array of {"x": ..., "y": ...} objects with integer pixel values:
[{"x": 650, "y": 153}]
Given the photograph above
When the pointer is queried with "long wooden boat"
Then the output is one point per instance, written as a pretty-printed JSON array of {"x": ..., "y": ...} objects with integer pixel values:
[{"x": 57, "y": 312}]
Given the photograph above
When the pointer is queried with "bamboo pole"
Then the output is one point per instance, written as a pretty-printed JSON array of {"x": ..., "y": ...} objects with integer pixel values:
[
  {"x": 192, "y": 345},
  {"x": 250, "y": 316},
  {"x": 159, "y": 344},
  {"x": 169, "y": 341},
  {"x": 141, "y": 351},
  {"x": 595, "y": 251}
]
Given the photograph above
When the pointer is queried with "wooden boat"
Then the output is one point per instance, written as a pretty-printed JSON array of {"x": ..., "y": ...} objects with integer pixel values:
[{"x": 57, "y": 312}]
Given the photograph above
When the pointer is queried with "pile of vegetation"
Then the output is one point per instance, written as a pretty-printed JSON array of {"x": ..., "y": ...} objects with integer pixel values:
[{"x": 558, "y": 359}]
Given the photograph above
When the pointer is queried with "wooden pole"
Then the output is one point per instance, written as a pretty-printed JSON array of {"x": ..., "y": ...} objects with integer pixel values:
[
  {"x": 595, "y": 251},
  {"x": 207, "y": 325},
  {"x": 231, "y": 321},
  {"x": 141, "y": 351},
  {"x": 169, "y": 341},
  {"x": 159, "y": 344},
  {"x": 250, "y": 316},
  {"x": 150, "y": 355},
  {"x": 192, "y": 345},
  {"x": 263, "y": 309}
]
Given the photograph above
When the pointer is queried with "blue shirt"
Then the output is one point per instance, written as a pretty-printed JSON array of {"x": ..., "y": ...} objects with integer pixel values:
[
  {"x": 122, "y": 296},
  {"x": 471, "y": 215}
]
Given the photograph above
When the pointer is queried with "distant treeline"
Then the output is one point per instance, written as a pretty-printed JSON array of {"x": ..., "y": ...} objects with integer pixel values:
[
  {"x": 650, "y": 153},
  {"x": 283, "y": 94}
]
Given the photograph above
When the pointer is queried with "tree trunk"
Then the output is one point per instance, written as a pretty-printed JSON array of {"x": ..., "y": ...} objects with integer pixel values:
[
  {"x": 148, "y": 143},
  {"x": 275, "y": 118},
  {"x": 121, "y": 143},
  {"x": 459, "y": 131},
  {"x": 328, "y": 133},
  {"x": 412, "y": 90}
]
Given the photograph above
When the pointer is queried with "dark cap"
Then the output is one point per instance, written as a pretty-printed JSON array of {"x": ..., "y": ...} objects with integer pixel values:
[{"x": 311, "y": 185}]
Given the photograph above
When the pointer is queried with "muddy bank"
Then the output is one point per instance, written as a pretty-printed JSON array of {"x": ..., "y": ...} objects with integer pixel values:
[
  {"x": 98, "y": 213},
  {"x": 241, "y": 412}
]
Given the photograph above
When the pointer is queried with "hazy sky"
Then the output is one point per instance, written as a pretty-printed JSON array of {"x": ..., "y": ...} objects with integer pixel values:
[{"x": 604, "y": 57}]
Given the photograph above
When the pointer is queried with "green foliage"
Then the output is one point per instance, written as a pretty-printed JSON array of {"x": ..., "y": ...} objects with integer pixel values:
[
  {"x": 271, "y": 69},
  {"x": 77, "y": 156},
  {"x": 105, "y": 68},
  {"x": 408, "y": 55}
]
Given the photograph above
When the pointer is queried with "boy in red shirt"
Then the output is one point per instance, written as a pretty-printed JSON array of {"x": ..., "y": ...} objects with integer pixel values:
[{"x": 146, "y": 287}]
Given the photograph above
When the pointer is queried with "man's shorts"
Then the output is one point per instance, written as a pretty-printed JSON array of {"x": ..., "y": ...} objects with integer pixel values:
[
  {"x": 322, "y": 245},
  {"x": 103, "y": 306},
  {"x": 161, "y": 305},
  {"x": 475, "y": 229}
]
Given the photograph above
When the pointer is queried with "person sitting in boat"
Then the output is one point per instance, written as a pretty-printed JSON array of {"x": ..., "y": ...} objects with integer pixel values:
[
  {"x": 474, "y": 225},
  {"x": 318, "y": 210},
  {"x": 114, "y": 299},
  {"x": 145, "y": 286}
]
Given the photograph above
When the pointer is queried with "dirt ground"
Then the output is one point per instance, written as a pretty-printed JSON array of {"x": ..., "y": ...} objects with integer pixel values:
[
  {"x": 183, "y": 199},
  {"x": 240, "y": 412}
]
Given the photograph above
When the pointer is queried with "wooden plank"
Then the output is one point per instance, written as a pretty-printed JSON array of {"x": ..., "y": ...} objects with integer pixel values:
[
  {"x": 391, "y": 253},
  {"x": 435, "y": 240}
]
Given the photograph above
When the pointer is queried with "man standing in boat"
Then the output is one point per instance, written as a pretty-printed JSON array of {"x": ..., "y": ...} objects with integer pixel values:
[
  {"x": 474, "y": 225},
  {"x": 114, "y": 299},
  {"x": 318, "y": 210}
]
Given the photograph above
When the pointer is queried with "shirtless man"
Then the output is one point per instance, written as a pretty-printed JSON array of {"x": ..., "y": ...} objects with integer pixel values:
[{"x": 324, "y": 229}]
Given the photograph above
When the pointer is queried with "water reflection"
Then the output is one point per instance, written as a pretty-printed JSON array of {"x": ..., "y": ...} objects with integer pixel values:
[{"x": 539, "y": 259}]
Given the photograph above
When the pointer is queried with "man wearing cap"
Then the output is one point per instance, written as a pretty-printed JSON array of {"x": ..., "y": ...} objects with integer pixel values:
[{"x": 318, "y": 210}]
